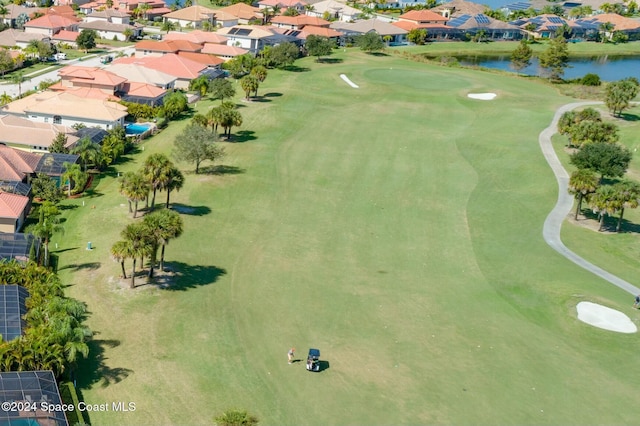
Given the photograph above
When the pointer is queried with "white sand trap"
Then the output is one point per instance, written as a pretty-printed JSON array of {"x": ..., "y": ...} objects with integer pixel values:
[
  {"x": 482, "y": 96},
  {"x": 606, "y": 318},
  {"x": 349, "y": 82}
]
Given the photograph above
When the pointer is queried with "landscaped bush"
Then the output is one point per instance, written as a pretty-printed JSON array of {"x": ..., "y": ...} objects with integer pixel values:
[{"x": 591, "y": 80}]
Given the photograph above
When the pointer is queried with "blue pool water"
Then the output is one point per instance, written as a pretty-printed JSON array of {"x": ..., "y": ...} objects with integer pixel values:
[{"x": 136, "y": 129}]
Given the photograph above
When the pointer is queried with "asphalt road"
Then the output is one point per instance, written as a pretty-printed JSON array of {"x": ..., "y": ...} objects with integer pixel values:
[
  {"x": 94, "y": 61},
  {"x": 553, "y": 223}
]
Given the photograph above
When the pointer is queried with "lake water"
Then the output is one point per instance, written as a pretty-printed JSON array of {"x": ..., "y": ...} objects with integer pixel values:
[{"x": 607, "y": 67}]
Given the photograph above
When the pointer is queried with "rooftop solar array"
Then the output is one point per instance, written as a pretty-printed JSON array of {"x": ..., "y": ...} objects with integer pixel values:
[
  {"x": 12, "y": 309},
  {"x": 556, "y": 20},
  {"x": 518, "y": 6},
  {"x": 17, "y": 246},
  {"x": 482, "y": 19},
  {"x": 52, "y": 164},
  {"x": 35, "y": 388},
  {"x": 95, "y": 134},
  {"x": 240, "y": 31},
  {"x": 15, "y": 187},
  {"x": 456, "y": 22}
]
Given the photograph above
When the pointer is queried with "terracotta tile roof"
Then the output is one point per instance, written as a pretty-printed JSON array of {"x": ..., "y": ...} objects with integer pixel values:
[
  {"x": 459, "y": 7},
  {"x": 223, "y": 50},
  {"x": 242, "y": 11},
  {"x": 12, "y": 205},
  {"x": 143, "y": 90},
  {"x": 381, "y": 27},
  {"x": 171, "y": 64},
  {"x": 21, "y": 131},
  {"x": 64, "y": 10},
  {"x": 16, "y": 164},
  {"x": 51, "y": 22},
  {"x": 299, "y": 21},
  {"x": 193, "y": 13},
  {"x": 91, "y": 75},
  {"x": 90, "y": 93},
  {"x": 134, "y": 73},
  {"x": 65, "y": 35},
  {"x": 620, "y": 23},
  {"x": 169, "y": 46},
  {"x": 422, "y": 16},
  {"x": 108, "y": 13},
  {"x": 409, "y": 25},
  {"x": 68, "y": 105},
  {"x": 203, "y": 58},
  {"x": 197, "y": 36},
  {"x": 319, "y": 31}
]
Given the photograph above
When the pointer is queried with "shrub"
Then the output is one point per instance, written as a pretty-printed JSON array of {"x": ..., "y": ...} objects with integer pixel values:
[{"x": 591, "y": 80}]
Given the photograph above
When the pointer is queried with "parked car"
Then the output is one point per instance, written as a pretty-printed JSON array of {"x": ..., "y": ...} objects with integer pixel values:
[
  {"x": 155, "y": 36},
  {"x": 60, "y": 56}
]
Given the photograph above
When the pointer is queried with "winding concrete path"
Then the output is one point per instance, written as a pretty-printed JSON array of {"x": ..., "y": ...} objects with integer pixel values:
[{"x": 553, "y": 223}]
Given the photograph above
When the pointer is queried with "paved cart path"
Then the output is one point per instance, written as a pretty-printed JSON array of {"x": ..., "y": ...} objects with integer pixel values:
[{"x": 553, "y": 223}]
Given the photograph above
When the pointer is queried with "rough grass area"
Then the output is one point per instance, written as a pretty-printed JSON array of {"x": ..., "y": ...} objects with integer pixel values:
[{"x": 396, "y": 227}]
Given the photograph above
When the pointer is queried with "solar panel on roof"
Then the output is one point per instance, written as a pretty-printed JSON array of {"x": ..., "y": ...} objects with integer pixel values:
[
  {"x": 243, "y": 31},
  {"x": 553, "y": 27},
  {"x": 518, "y": 6},
  {"x": 459, "y": 20},
  {"x": 482, "y": 19},
  {"x": 556, "y": 20}
]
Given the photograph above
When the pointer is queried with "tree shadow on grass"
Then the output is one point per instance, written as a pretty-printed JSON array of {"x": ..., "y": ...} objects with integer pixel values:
[
  {"x": 259, "y": 99},
  {"x": 295, "y": 68},
  {"x": 378, "y": 54},
  {"x": 221, "y": 170},
  {"x": 67, "y": 206},
  {"x": 272, "y": 95},
  {"x": 186, "y": 276},
  {"x": 93, "y": 370},
  {"x": 190, "y": 210},
  {"x": 610, "y": 223},
  {"x": 331, "y": 60},
  {"x": 89, "y": 266},
  {"x": 242, "y": 136},
  {"x": 629, "y": 117}
]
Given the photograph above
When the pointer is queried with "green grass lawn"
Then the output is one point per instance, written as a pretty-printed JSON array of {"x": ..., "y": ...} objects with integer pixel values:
[{"x": 396, "y": 227}]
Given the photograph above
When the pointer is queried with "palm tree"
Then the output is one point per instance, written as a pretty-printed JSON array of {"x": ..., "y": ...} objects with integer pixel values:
[
  {"x": 230, "y": 118},
  {"x": 200, "y": 85},
  {"x": 628, "y": 193},
  {"x": 175, "y": 181},
  {"x": 73, "y": 175},
  {"x": 604, "y": 202},
  {"x": 172, "y": 227},
  {"x": 3, "y": 11},
  {"x": 249, "y": 83},
  {"x": 155, "y": 169},
  {"x": 19, "y": 78},
  {"x": 144, "y": 8},
  {"x": 5, "y": 99},
  {"x": 120, "y": 253},
  {"x": 138, "y": 245},
  {"x": 605, "y": 29},
  {"x": 582, "y": 183},
  {"x": 136, "y": 188},
  {"x": 88, "y": 152},
  {"x": 47, "y": 225},
  {"x": 168, "y": 26},
  {"x": 153, "y": 231}
]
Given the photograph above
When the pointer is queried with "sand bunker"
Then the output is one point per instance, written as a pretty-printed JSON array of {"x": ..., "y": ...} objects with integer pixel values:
[
  {"x": 482, "y": 96},
  {"x": 349, "y": 82},
  {"x": 606, "y": 318}
]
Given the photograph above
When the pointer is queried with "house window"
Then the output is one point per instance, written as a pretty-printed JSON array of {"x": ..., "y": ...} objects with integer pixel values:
[{"x": 57, "y": 119}]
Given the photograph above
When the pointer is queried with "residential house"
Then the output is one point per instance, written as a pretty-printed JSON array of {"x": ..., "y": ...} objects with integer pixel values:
[
  {"x": 298, "y": 5},
  {"x": 90, "y": 77},
  {"x": 386, "y": 30},
  {"x": 11, "y": 38},
  {"x": 32, "y": 136},
  {"x": 308, "y": 30},
  {"x": 150, "y": 48},
  {"x": 143, "y": 93},
  {"x": 16, "y": 164},
  {"x": 210, "y": 61},
  {"x": 156, "y": 7},
  {"x": 423, "y": 17},
  {"x": 243, "y": 12},
  {"x": 545, "y": 26},
  {"x": 628, "y": 26},
  {"x": 14, "y": 11},
  {"x": 67, "y": 109},
  {"x": 333, "y": 9},
  {"x": 493, "y": 29},
  {"x": 51, "y": 24},
  {"x": 400, "y": 4},
  {"x": 183, "y": 69},
  {"x": 455, "y": 8},
  {"x": 68, "y": 37},
  {"x": 197, "y": 36},
  {"x": 134, "y": 73},
  {"x": 224, "y": 19},
  {"x": 254, "y": 38},
  {"x": 192, "y": 17},
  {"x": 14, "y": 209},
  {"x": 111, "y": 24},
  {"x": 298, "y": 22},
  {"x": 223, "y": 51}
]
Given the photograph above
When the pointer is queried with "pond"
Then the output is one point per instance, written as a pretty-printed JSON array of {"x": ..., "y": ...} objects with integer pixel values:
[{"x": 609, "y": 68}]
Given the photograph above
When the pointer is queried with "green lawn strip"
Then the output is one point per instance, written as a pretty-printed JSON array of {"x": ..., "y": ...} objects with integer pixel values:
[{"x": 397, "y": 227}]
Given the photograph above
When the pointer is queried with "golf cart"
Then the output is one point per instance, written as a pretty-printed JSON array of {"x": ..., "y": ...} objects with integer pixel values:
[{"x": 313, "y": 360}]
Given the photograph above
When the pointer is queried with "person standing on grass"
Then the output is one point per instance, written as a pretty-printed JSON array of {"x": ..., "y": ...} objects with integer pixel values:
[
  {"x": 637, "y": 303},
  {"x": 290, "y": 354}
]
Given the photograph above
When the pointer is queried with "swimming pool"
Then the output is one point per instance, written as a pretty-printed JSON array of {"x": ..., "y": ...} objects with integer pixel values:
[{"x": 136, "y": 129}]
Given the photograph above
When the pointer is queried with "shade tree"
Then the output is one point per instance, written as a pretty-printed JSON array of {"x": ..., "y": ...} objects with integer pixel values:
[
  {"x": 607, "y": 159},
  {"x": 196, "y": 144},
  {"x": 619, "y": 94}
]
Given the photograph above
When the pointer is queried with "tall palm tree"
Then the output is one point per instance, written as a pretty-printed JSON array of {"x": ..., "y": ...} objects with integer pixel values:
[
  {"x": 47, "y": 225},
  {"x": 18, "y": 78},
  {"x": 88, "y": 152},
  {"x": 73, "y": 174},
  {"x": 604, "y": 202},
  {"x": 175, "y": 181},
  {"x": 230, "y": 118},
  {"x": 249, "y": 83},
  {"x": 156, "y": 169},
  {"x": 628, "y": 193},
  {"x": 200, "y": 85},
  {"x": 153, "y": 231},
  {"x": 120, "y": 253},
  {"x": 136, "y": 188},
  {"x": 172, "y": 227},
  {"x": 582, "y": 183},
  {"x": 135, "y": 235}
]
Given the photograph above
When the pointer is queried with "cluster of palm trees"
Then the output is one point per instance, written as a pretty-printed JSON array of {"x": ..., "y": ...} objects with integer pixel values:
[
  {"x": 143, "y": 239},
  {"x": 55, "y": 337},
  {"x": 226, "y": 116},
  {"x": 598, "y": 152}
]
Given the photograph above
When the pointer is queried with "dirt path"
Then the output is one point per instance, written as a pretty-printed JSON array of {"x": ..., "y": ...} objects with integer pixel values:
[{"x": 553, "y": 223}]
